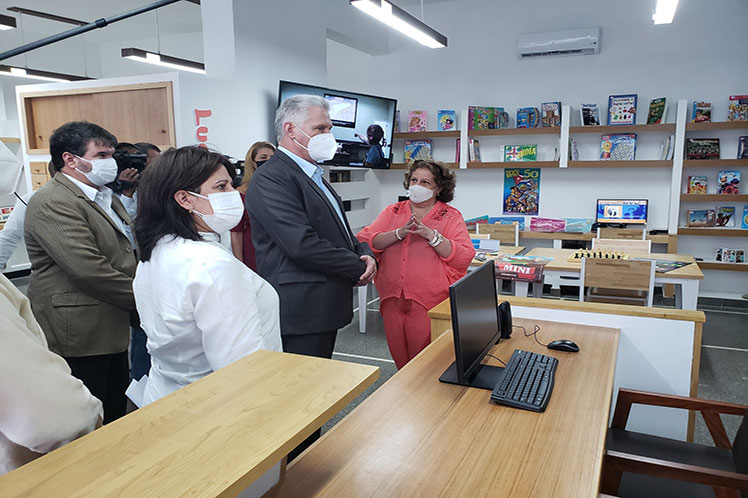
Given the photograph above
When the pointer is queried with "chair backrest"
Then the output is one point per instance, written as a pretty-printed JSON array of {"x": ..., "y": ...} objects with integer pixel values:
[
  {"x": 622, "y": 233},
  {"x": 507, "y": 234},
  {"x": 625, "y": 245},
  {"x": 740, "y": 449},
  {"x": 479, "y": 236},
  {"x": 619, "y": 274}
]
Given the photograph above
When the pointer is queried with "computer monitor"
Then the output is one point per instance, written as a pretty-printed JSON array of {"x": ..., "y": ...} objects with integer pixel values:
[
  {"x": 475, "y": 325},
  {"x": 622, "y": 211},
  {"x": 343, "y": 110}
]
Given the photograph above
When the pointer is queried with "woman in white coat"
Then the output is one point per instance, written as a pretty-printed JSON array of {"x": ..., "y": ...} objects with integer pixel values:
[{"x": 200, "y": 307}]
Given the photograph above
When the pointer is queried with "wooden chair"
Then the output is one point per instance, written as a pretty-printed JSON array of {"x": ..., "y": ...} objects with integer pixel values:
[
  {"x": 620, "y": 281},
  {"x": 507, "y": 234},
  {"x": 641, "y": 465},
  {"x": 622, "y": 233},
  {"x": 626, "y": 245},
  {"x": 482, "y": 236}
]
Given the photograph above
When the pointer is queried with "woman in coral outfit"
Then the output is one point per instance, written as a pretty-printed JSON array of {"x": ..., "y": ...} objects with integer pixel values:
[{"x": 422, "y": 246}]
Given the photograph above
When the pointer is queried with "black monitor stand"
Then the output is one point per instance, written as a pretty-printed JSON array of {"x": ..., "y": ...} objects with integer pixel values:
[{"x": 486, "y": 377}]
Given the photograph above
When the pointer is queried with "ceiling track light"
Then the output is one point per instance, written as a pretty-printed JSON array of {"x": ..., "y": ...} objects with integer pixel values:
[
  {"x": 137, "y": 54},
  {"x": 7, "y": 22},
  {"x": 664, "y": 11},
  {"x": 398, "y": 19},
  {"x": 25, "y": 72}
]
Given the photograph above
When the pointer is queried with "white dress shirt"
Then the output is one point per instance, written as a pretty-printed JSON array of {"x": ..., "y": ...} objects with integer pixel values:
[
  {"x": 12, "y": 232},
  {"x": 201, "y": 309}
]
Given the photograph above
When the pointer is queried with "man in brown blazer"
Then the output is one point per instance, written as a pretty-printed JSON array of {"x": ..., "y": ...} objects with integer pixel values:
[{"x": 80, "y": 245}]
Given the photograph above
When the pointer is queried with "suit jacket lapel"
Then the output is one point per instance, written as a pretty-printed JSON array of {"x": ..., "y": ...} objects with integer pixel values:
[{"x": 116, "y": 205}]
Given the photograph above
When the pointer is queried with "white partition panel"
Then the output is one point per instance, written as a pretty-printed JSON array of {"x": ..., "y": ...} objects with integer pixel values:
[{"x": 654, "y": 354}]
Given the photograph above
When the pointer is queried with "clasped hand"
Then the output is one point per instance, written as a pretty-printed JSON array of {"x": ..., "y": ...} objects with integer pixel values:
[{"x": 414, "y": 225}]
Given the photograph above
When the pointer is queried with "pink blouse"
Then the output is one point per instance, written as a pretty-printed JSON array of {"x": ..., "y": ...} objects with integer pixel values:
[{"x": 413, "y": 268}]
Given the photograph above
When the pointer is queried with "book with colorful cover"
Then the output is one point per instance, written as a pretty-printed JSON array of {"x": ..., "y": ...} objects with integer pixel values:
[
  {"x": 737, "y": 108},
  {"x": 508, "y": 220},
  {"x": 472, "y": 222},
  {"x": 622, "y": 109},
  {"x": 696, "y": 185},
  {"x": 417, "y": 149},
  {"x": 521, "y": 191},
  {"x": 701, "y": 112},
  {"x": 725, "y": 216},
  {"x": 700, "y": 218},
  {"x": 657, "y": 111},
  {"x": 447, "y": 120},
  {"x": 590, "y": 114},
  {"x": 742, "y": 147},
  {"x": 418, "y": 121},
  {"x": 702, "y": 148},
  {"x": 729, "y": 182},
  {"x": 528, "y": 117},
  {"x": 618, "y": 147},
  {"x": 524, "y": 268},
  {"x": 578, "y": 225},
  {"x": 744, "y": 223},
  {"x": 551, "y": 114},
  {"x": 520, "y": 153},
  {"x": 474, "y": 150},
  {"x": 483, "y": 118},
  {"x": 547, "y": 224}
]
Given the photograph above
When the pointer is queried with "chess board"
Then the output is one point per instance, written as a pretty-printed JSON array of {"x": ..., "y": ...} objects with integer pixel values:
[{"x": 597, "y": 254}]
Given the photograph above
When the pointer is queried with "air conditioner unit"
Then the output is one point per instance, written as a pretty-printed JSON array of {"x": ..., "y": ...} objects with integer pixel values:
[{"x": 582, "y": 41}]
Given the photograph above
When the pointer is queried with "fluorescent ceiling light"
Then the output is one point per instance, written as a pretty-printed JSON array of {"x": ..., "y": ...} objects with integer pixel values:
[
  {"x": 7, "y": 22},
  {"x": 24, "y": 72},
  {"x": 137, "y": 54},
  {"x": 397, "y": 18},
  {"x": 664, "y": 11}
]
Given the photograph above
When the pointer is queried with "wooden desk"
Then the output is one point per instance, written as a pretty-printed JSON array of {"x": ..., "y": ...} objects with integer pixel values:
[
  {"x": 687, "y": 278},
  {"x": 211, "y": 438},
  {"x": 418, "y": 437},
  {"x": 503, "y": 250}
]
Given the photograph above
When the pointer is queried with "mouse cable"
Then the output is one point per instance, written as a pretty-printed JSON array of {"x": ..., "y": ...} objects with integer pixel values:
[
  {"x": 533, "y": 334},
  {"x": 497, "y": 359}
]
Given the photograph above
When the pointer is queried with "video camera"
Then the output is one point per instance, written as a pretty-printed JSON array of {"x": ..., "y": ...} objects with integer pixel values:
[{"x": 127, "y": 160}]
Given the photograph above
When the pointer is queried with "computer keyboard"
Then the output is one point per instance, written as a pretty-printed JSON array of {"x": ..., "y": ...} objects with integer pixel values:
[{"x": 527, "y": 382}]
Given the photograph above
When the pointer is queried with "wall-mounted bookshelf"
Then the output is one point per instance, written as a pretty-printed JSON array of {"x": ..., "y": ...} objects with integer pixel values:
[
  {"x": 715, "y": 163},
  {"x": 420, "y": 135},
  {"x": 405, "y": 165},
  {"x": 514, "y": 131},
  {"x": 512, "y": 164},
  {"x": 713, "y": 232},
  {"x": 714, "y": 197},
  {"x": 608, "y": 130},
  {"x": 721, "y": 265},
  {"x": 639, "y": 163},
  {"x": 717, "y": 125}
]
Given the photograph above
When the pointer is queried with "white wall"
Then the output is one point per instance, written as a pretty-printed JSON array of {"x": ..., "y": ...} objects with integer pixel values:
[{"x": 700, "y": 56}]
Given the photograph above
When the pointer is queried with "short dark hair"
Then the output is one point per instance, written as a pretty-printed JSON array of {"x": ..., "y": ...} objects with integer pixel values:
[
  {"x": 74, "y": 137},
  {"x": 444, "y": 178},
  {"x": 144, "y": 147},
  {"x": 159, "y": 214}
]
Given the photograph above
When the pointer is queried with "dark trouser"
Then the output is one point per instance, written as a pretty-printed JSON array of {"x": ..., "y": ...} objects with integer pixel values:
[
  {"x": 106, "y": 376},
  {"x": 140, "y": 360},
  {"x": 321, "y": 345}
]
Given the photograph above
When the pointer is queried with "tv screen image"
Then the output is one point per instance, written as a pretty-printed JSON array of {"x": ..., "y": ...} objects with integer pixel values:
[
  {"x": 362, "y": 124},
  {"x": 622, "y": 211}
]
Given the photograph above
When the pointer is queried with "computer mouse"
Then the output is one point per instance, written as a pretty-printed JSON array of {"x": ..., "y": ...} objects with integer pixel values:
[{"x": 564, "y": 345}]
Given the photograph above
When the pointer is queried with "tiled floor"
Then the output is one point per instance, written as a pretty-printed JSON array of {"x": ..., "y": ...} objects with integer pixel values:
[{"x": 724, "y": 356}]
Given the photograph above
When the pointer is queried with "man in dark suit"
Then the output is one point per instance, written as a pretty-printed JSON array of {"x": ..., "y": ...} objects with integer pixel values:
[
  {"x": 82, "y": 259},
  {"x": 304, "y": 244}
]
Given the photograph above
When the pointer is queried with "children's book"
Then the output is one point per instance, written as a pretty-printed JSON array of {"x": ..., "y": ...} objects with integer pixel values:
[
  {"x": 547, "y": 224},
  {"x": 528, "y": 117},
  {"x": 457, "y": 152},
  {"x": 417, "y": 121},
  {"x": 521, "y": 191},
  {"x": 696, "y": 185},
  {"x": 483, "y": 118},
  {"x": 520, "y": 153},
  {"x": 657, "y": 111},
  {"x": 573, "y": 150},
  {"x": 417, "y": 149},
  {"x": 622, "y": 109},
  {"x": 508, "y": 220},
  {"x": 744, "y": 223},
  {"x": 590, "y": 114},
  {"x": 618, "y": 147},
  {"x": 729, "y": 182},
  {"x": 702, "y": 148},
  {"x": 578, "y": 225},
  {"x": 474, "y": 151},
  {"x": 737, "y": 108},
  {"x": 472, "y": 222},
  {"x": 397, "y": 120},
  {"x": 701, "y": 112},
  {"x": 447, "y": 120},
  {"x": 701, "y": 217},
  {"x": 742, "y": 147},
  {"x": 551, "y": 114},
  {"x": 725, "y": 216}
]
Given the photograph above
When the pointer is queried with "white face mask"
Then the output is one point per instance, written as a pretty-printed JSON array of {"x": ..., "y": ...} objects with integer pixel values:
[
  {"x": 321, "y": 147},
  {"x": 227, "y": 210},
  {"x": 419, "y": 194},
  {"x": 103, "y": 171}
]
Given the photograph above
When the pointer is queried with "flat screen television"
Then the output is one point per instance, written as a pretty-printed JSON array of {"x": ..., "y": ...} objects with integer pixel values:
[
  {"x": 357, "y": 118},
  {"x": 476, "y": 329},
  {"x": 622, "y": 211}
]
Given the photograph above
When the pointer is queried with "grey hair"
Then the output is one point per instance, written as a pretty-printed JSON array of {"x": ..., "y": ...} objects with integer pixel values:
[{"x": 295, "y": 109}]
